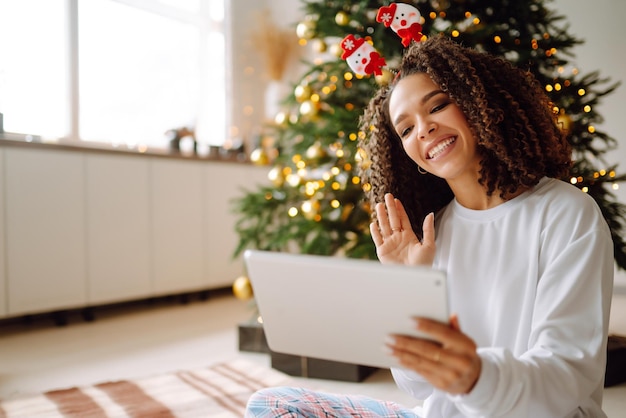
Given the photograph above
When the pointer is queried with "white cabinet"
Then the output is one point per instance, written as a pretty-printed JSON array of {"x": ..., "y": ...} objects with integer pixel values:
[
  {"x": 178, "y": 225},
  {"x": 45, "y": 230},
  {"x": 3, "y": 277},
  {"x": 224, "y": 182},
  {"x": 81, "y": 228},
  {"x": 118, "y": 228}
]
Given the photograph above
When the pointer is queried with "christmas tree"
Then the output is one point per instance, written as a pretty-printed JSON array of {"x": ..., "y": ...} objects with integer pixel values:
[{"x": 316, "y": 205}]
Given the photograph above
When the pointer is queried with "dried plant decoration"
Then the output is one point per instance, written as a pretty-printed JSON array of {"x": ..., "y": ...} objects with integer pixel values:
[{"x": 275, "y": 44}]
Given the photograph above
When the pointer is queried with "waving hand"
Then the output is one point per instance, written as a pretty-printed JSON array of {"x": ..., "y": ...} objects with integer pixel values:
[{"x": 394, "y": 238}]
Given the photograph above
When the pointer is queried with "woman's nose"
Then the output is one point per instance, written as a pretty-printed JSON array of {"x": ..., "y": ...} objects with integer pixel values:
[{"x": 427, "y": 130}]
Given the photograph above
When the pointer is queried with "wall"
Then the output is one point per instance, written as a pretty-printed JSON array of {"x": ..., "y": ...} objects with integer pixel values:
[{"x": 598, "y": 23}]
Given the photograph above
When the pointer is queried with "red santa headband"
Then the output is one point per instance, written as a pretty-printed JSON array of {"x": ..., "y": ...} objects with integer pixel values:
[
  {"x": 350, "y": 44},
  {"x": 363, "y": 58},
  {"x": 386, "y": 13}
]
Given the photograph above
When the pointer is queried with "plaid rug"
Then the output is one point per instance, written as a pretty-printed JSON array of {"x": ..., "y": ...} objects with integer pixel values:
[{"x": 220, "y": 390}]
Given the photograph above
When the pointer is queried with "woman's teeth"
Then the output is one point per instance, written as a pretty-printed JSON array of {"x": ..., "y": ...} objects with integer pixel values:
[{"x": 433, "y": 153}]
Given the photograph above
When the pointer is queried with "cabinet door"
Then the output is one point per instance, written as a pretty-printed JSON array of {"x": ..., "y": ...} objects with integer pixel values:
[
  {"x": 45, "y": 230},
  {"x": 118, "y": 228},
  {"x": 178, "y": 224},
  {"x": 224, "y": 182},
  {"x": 3, "y": 277}
]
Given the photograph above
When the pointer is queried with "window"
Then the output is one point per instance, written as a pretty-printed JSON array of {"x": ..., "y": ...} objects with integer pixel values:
[{"x": 122, "y": 72}]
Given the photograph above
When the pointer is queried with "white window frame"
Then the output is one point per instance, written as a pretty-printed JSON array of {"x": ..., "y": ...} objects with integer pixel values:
[{"x": 201, "y": 20}]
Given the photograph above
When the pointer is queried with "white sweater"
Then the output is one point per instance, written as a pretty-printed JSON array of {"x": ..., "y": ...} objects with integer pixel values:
[{"x": 531, "y": 281}]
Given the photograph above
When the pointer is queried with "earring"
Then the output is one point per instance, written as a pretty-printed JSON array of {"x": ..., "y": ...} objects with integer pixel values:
[{"x": 421, "y": 170}]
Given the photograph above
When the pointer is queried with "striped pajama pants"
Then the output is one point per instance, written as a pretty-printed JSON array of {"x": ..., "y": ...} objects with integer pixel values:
[{"x": 298, "y": 402}]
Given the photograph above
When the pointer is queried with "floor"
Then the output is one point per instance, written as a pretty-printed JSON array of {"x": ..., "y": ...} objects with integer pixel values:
[{"x": 143, "y": 339}]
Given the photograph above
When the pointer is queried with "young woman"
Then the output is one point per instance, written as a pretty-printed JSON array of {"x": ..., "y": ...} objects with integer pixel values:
[{"x": 466, "y": 161}]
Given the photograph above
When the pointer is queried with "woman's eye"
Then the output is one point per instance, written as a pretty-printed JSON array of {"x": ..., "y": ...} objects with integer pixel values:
[
  {"x": 405, "y": 132},
  {"x": 439, "y": 107}
]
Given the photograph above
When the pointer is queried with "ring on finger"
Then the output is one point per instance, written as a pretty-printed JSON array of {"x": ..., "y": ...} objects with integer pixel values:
[{"x": 397, "y": 229}]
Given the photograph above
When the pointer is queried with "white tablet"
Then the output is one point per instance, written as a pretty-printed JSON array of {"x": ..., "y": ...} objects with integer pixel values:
[{"x": 341, "y": 309}]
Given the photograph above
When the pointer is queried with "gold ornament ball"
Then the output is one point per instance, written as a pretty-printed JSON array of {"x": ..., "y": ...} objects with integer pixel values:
[
  {"x": 302, "y": 93},
  {"x": 315, "y": 151},
  {"x": 242, "y": 288},
  {"x": 342, "y": 18},
  {"x": 306, "y": 29},
  {"x": 276, "y": 176},
  {"x": 336, "y": 50},
  {"x": 281, "y": 118},
  {"x": 385, "y": 78},
  {"x": 320, "y": 46},
  {"x": 564, "y": 122},
  {"x": 308, "y": 108},
  {"x": 259, "y": 157},
  {"x": 310, "y": 209}
]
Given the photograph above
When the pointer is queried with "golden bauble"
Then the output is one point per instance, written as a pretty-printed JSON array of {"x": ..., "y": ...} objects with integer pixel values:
[
  {"x": 309, "y": 108},
  {"x": 320, "y": 46},
  {"x": 259, "y": 157},
  {"x": 315, "y": 151},
  {"x": 302, "y": 92},
  {"x": 276, "y": 176},
  {"x": 385, "y": 78},
  {"x": 336, "y": 50},
  {"x": 565, "y": 122},
  {"x": 281, "y": 118},
  {"x": 242, "y": 288},
  {"x": 310, "y": 209},
  {"x": 306, "y": 29},
  {"x": 342, "y": 18}
]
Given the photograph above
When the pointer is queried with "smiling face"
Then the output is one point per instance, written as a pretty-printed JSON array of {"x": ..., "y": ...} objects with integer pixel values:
[{"x": 434, "y": 132}]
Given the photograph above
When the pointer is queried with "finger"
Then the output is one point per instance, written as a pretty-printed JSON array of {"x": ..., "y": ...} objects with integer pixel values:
[
  {"x": 454, "y": 322},
  {"x": 428, "y": 228},
  {"x": 376, "y": 235},
  {"x": 429, "y": 350},
  {"x": 383, "y": 219},
  {"x": 395, "y": 223},
  {"x": 446, "y": 335},
  {"x": 405, "y": 222}
]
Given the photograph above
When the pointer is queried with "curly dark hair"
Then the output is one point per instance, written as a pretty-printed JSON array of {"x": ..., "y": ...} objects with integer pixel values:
[{"x": 519, "y": 141}]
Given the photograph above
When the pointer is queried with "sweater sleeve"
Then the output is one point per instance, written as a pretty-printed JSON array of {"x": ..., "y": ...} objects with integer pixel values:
[{"x": 566, "y": 357}]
